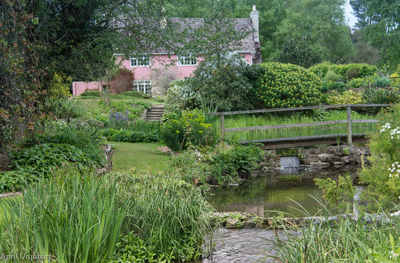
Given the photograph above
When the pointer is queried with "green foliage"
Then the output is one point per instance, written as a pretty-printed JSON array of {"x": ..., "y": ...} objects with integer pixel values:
[
  {"x": 220, "y": 165},
  {"x": 382, "y": 177},
  {"x": 181, "y": 97},
  {"x": 286, "y": 85},
  {"x": 328, "y": 38},
  {"x": 17, "y": 180},
  {"x": 90, "y": 93},
  {"x": 59, "y": 86},
  {"x": 299, "y": 52},
  {"x": 382, "y": 82},
  {"x": 190, "y": 128},
  {"x": 377, "y": 20},
  {"x": 132, "y": 93},
  {"x": 168, "y": 214},
  {"x": 338, "y": 86},
  {"x": 130, "y": 248},
  {"x": 76, "y": 133},
  {"x": 72, "y": 217},
  {"x": 385, "y": 96},
  {"x": 332, "y": 76},
  {"x": 42, "y": 157},
  {"x": 63, "y": 108},
  {"x": 222, "y": 85},
  {"x": 339, "y": 192},
  {"x": 123, "y": 135},
  {"x": 361, "y": 82},
  {"x": 347, "y": 97},
  {"x": 343, "y": 241},
  {"x": 346, "y": 71}
]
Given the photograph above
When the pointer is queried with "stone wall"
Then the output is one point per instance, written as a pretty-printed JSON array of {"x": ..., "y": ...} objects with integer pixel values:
[{"x": 324, "y": 157}]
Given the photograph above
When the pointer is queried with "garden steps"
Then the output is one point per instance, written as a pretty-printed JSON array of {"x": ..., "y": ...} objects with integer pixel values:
[{"x": 155, "y": 113}]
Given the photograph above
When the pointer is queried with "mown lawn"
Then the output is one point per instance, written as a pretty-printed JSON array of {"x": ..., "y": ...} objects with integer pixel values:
[{"x": 143, "y": 157}]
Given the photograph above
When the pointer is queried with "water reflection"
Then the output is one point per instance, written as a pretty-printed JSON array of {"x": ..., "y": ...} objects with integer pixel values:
[{"x": 294, "y": 194}]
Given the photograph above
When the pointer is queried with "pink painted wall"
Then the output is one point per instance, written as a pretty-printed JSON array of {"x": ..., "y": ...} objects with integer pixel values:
[
  {"x": 158, "y": 63},
  {"x": 79, "y": 87}
]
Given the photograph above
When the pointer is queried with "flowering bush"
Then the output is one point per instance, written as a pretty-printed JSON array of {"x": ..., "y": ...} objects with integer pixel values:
[
  {"x": 178, "y": 131},
  {"x": 286, "y": 85},
  {"x": 383, "y": 176}
]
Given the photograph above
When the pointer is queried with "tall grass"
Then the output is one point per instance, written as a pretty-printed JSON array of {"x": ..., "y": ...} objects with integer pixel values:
[
  {"x": 166, "y": 213},
  {"x": 237, "y": 121},
  {"x": 73, "y": 218},
  {"x": 343, "y": 241}
]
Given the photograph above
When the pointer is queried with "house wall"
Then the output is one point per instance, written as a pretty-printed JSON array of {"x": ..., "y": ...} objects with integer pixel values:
[{"x": 162, "y": 68}]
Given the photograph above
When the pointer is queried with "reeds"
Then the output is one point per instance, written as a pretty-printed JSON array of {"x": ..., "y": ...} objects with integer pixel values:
[{"x": 72, "y": 217}]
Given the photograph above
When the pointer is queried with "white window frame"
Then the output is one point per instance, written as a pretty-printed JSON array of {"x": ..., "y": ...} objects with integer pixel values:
[
  {"x": 190, "y": 60},
  {"x": 144, "y": 86},
  {"x": 140, "y": 61}
]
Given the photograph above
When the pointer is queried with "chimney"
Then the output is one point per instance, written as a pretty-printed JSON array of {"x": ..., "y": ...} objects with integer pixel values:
[{"x": 255, "y": 22}]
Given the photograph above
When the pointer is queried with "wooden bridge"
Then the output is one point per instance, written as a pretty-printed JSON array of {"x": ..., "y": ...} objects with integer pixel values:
[{"x": 350, "y": 137}]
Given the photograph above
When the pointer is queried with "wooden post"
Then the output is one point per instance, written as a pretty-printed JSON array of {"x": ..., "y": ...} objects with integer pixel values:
[
  {"x": 349, "y": 133},
  {"x": 222, "y": 126}
]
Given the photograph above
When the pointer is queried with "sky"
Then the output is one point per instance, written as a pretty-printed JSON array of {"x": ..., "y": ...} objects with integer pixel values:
[{"x": 351, "y": 20}]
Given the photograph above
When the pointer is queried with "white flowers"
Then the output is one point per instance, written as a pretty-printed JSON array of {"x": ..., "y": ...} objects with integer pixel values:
[
  {"x": 385, "y": 127},
  {"x": 394, "y": 133},
  {"x": 394, "y": 170}
]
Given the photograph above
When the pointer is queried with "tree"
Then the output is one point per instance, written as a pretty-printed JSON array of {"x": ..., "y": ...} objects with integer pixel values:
[
  {"x": 379, "y": 22},
  {"x": 20, "y": 73},
  {"x": 318, "y": 24}
]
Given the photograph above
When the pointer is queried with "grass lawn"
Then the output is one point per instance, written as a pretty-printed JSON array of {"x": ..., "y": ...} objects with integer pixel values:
[{"x": 140, "y": 156}]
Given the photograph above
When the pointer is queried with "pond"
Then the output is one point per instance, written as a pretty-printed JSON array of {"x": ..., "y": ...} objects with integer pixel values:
[
  {"x": 291, "y": 191},
  {"x": 294, "y": 193}
]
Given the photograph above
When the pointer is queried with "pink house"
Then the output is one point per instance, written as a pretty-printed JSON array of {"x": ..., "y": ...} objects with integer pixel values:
[{"x": 153, "y": 73}]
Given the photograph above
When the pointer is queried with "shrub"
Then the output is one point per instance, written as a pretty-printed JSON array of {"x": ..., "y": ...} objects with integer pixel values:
[
  {"x": 130, "y": 94},
  {"x": 91, "y": 93},
  {"x": 346, "y": 71},
  {"x": 122, "y": 135},
  {"x": 334, "y": 85},
  {"x": 59, "y": 86},
  {"x": 72, "y": 217},
  {"x": 320, "y": 69},
  {"x": 220, "y": 165},
  {"x": 378, "y": 96},
  {"x": 130, "y": 248},
  {"x": 42, "y": 157},
  {"x": 382, "y": 177},
  {"x": 382, "y": 82},
  {"x": 190, "y": 128},
  {"x": 17, "y": 180},
  {"x": 63, "y": 108},
  {"x": 286, "y": 85},
  {"x": 76, "y": 133},
  {"x": 180, "y": 96},
  {"x": 332, "y": 76},
  {"x": 168, "y": 214},
  {"x": 224, "y": 85},
  {"x": 347, "y": 97}
]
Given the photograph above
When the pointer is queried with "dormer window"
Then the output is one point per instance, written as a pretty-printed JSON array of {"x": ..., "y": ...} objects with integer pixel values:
[
  {"x": 140, "y": 61},
  {"x": 189, "y": 60}
]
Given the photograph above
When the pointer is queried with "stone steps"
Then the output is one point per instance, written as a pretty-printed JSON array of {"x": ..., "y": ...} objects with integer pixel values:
[{"x": 155, "y": 113}]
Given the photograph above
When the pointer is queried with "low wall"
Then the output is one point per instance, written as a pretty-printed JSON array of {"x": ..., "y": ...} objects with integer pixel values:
[
  {"x": 322, "y": 157},
  {"x": 79, "y": 87}
]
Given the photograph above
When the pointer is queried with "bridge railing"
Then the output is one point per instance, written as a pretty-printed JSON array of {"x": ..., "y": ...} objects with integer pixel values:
[{"x": 349, "y": 121}]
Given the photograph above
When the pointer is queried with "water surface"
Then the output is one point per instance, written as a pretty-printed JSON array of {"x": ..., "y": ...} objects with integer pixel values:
[{"x": 295, "y": 194}]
